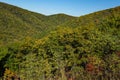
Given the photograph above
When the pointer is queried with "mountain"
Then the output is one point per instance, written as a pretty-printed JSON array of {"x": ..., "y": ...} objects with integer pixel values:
[
  {"x": 17, "y": 23},
  {"x": 94, "y": 18},
  {"x": 59, "y": 46}
]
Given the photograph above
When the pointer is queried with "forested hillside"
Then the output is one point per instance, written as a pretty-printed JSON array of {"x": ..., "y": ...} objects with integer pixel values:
[
  {"x": 94, "y": 18},
  {"x": 59, "y": 47},
  {"x": 17, "y": 23}
]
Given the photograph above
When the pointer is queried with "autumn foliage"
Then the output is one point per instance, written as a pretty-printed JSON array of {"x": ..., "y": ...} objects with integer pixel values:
[{"x": 84, "y": 48}]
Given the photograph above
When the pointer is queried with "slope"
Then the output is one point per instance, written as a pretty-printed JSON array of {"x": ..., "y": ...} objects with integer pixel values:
[
  {"x": 17, "y": 23},
  {"x": 94, "y": 18}
]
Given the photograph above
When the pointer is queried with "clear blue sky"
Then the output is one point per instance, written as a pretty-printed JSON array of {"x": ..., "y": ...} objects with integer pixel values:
[{"x": 71, "y": 7}]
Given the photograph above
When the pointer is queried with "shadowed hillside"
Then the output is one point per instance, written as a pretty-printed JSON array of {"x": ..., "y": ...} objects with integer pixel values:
[{"x": 17, "y": 23}]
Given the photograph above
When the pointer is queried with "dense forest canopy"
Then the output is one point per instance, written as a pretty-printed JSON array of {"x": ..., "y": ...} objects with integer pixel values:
[
  {"x": 17, "y": 23},
  {"x": 59, "y": 47}
]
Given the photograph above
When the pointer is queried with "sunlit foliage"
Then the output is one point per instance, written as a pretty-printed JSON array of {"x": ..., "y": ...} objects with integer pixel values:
[{"x": 84, "y": 48}]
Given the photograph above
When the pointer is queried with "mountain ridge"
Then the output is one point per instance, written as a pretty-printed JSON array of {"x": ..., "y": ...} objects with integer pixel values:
[
  {"x": 59, "y": 47},
  {"x": 24, "y": 22},
  {"x": 17, "y": 23}
]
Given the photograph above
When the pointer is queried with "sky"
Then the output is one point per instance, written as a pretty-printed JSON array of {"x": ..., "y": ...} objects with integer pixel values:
[{"x": 70, "y": 7}]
